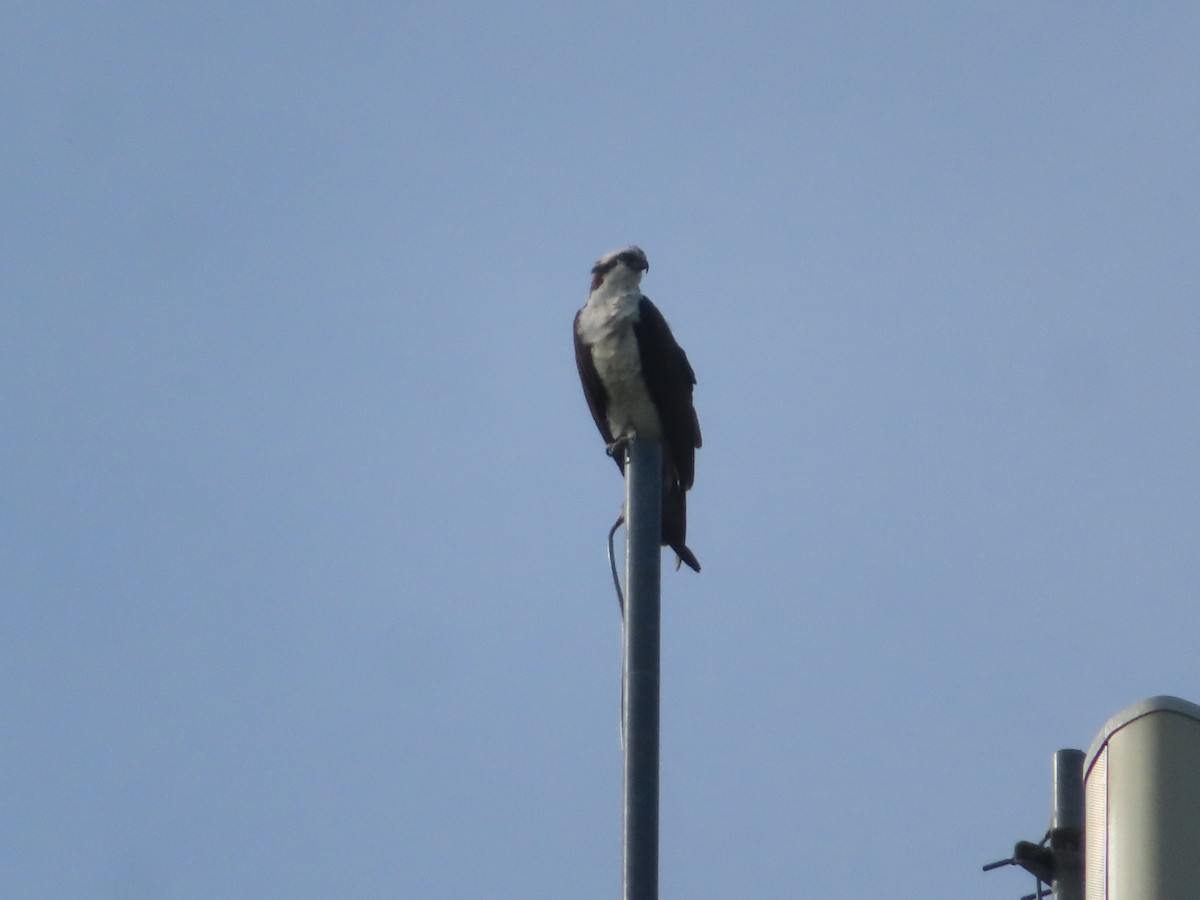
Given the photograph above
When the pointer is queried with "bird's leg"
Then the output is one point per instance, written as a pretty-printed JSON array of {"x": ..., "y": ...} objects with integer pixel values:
[{"x": 618, "y": 447}]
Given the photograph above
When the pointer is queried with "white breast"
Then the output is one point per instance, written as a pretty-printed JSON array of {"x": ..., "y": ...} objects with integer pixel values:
[{"x": 606, "y": 325}]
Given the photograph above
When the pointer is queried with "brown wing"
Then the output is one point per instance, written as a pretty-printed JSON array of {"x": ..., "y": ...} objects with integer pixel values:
[
  {"x": 593, "y": 389},
  {"x": 669, "y": 379}
]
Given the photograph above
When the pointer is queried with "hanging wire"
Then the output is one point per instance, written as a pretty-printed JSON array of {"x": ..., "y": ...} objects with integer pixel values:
[{"x": 612, "y": 561}]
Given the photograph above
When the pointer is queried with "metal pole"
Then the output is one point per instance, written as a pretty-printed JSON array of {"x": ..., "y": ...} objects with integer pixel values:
[
  {"x": 643, "y": 564},
  {"x": 1066, "y": 825}
]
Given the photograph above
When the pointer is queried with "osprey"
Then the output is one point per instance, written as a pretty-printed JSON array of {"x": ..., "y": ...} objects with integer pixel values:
[{"x": 638, "y": 382}]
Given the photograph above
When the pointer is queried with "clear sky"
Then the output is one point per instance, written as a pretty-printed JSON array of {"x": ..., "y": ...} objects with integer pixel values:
[{"x": 302, "y": 560}]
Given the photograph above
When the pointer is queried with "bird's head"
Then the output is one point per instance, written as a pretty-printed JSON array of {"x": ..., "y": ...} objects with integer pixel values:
[{"x": 621, "y": 269}]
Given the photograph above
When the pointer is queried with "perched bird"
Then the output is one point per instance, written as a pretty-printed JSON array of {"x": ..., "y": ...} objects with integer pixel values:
[{"x": 638, "y": 382}]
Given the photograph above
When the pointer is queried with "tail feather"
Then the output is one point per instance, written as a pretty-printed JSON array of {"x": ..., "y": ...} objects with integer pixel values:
[
  {"x": 674, "y": 524},
  {"x": 684, "y": 555}
]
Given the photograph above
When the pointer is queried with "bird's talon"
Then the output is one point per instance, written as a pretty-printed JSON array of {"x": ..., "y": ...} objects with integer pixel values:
[{"x": 618, "y": 447}]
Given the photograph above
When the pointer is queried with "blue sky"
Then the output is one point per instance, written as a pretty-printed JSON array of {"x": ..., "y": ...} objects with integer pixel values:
[{"x": 303, "y": 515}]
